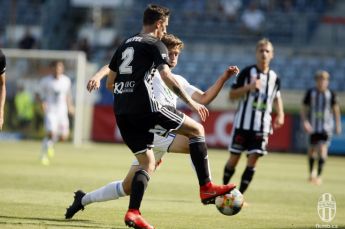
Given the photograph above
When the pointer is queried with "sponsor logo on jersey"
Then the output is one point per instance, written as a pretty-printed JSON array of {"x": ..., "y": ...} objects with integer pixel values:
[{"x": 124, "y": 87}]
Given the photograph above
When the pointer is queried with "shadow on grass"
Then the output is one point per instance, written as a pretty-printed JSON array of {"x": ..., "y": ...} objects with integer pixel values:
[{"x": 53, "y": 222}]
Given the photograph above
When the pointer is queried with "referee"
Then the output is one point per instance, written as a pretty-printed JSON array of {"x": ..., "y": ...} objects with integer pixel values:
[{"x": 257, "y": 88}]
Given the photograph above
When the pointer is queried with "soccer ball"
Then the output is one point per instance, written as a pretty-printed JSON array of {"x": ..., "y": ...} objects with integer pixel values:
[{"x": 230, "y": 203}]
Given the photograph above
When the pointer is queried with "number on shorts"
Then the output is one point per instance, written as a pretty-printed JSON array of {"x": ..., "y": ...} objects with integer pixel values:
[{"x": 159, "y": 130}]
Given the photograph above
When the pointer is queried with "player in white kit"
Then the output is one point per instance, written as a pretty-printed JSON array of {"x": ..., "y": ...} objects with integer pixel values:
[
  {"x": 56, "y": 99},
  {"x": 172, "y": 143}
]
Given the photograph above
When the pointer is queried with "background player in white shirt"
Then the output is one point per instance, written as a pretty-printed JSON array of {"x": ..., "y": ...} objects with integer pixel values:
[
  {"x": 172, "y": 143},
  {"x": 56, "y": 100}
]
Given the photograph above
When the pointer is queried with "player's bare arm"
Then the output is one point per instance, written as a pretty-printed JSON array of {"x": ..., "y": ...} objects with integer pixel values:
[
  {"x": 278, "y": 106},
  {"x": 241, "y": 91},
  {"x": 110, "y": 80},
  {"x": 336, "y": 111},
  {"x": 306, "y": 124},
  {"x": 2, "y": 98},
  {"x": 175, "y": 86},
  {"x": 95, "y": 81},
  {"x": 211, "y": 93}
]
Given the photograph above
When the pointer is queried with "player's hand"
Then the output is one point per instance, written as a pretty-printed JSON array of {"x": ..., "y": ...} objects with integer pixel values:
[
  {"x": 255, "y": 85},
  {"x": 93, "y": 84},
  {"x": 278, "y": 121},
  {"x": 230, "y": 71},
  {"x": 200, "y": 109},
  {"x": 307, "y": 127}
]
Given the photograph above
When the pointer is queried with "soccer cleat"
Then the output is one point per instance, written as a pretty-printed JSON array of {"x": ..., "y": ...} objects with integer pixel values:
[
  {"x": 45, "y": 161},
  {"x": 51, "y": 151},
  {"x": 210, "y": 191},
  {"x": 134, "y": 219},
  {"x": 76, "y": 205}
]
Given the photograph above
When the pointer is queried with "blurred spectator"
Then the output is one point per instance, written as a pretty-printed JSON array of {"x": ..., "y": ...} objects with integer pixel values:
[
  {"x": 194, "y": 9},
  {"x": 230, "y": 8},
  {"x": 253, "y": 19},
  {"x": 83, "y": 44},
  {"x": 28, "y": 41},
  {"x": 24, "y": 109}
]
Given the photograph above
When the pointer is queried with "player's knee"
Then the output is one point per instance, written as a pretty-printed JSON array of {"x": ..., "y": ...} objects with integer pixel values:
[
  {"x": 127, "y": 187},
  {"x": 197, "y": 130}
]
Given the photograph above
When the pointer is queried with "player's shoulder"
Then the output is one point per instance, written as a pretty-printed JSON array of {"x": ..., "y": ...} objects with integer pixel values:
[{"x": 2, "y": 55}]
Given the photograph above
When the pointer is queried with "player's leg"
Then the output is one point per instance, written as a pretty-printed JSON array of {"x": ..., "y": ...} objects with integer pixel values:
[
  {"x": 236, "y": 147},
  {"x": 180, "y": 144},
  {"x": 313, "y": 149},
  {"x": 111, "y": 191},
  {"x": 249, "y": 171},
  {"x": 323, "y": 154},
  {"x": 257, "y": 143},
  {"x": 198, "y": 151},
  {"x": 50, "y": 125},
  {"x": 230, "y": 167}
]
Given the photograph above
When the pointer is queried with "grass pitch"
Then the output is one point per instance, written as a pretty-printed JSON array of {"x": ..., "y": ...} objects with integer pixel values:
[{"x": 36, "y": 196}]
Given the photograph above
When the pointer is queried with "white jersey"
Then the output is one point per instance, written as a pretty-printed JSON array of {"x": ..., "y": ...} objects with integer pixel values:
[
  {"x": 164, "y": 95},
  {"x": 54, "y": 93}
]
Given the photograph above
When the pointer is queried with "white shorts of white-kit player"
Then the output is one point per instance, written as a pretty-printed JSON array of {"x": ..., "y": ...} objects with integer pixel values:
[{"x": 161, "y": 146}]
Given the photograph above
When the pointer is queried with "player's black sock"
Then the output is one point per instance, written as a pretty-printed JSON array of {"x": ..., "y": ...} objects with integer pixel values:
[
  {"x": 311, "y": 164},
  {"x": 139, "y": 184},
  {"x": 247, "y": 177},
  {"x": 198, "y": 154},
  {"x": 320, "y": 167},
  {"x": 228, "y": 172}
]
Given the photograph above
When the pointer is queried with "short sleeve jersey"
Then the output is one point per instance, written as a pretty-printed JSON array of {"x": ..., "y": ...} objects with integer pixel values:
[
  {"x": 54, "y": 93},
  {"x": 2, "y": 63},
  {"x": 320, "y": 112},
  {"x": 254, "y": 111},
  {"x": 164, "y": 95},
  {"x": 134, "y": 61}
]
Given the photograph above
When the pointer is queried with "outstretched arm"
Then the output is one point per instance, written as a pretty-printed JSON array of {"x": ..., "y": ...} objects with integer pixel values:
[
  {"x": 176, "y": 87},
  {"x": 95, "y": 81},
  {"x": 211, "y": 93}
]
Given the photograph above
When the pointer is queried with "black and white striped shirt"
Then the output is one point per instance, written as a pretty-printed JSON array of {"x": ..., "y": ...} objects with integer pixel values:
[
  {"x": 254, "y": 109},
  {"x": 320, "y": 106},
  {"x": 2, "y": 63}
]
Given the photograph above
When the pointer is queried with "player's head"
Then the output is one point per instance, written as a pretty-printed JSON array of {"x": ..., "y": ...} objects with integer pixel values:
[
  {"x": 322, "y": 80},
  {"x": 57, "y": 67},
  {"x": 156, "y": 17},
  {"x": 264, "y": 51},
  {"x": 174, "y": 45}
]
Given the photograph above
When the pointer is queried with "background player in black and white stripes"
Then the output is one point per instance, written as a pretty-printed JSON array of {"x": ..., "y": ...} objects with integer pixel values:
[
  {"x": 319, "y": 110},
  {"x": 258, "y": 89},
  {"x": 2, "y": 87}
]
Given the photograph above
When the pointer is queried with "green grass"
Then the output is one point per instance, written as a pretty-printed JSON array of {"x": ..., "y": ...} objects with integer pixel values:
[{"x": 35, "y": 196}]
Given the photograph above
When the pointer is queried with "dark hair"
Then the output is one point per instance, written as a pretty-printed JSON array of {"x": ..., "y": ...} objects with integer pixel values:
[
  {"x": 55, "y": 62},
  {"x": 154, "y": 13},
  {"x": 172, "y": 41}
]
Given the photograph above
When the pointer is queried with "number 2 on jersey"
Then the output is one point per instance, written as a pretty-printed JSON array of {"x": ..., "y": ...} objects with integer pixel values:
[{"x": 127, "y": 57}]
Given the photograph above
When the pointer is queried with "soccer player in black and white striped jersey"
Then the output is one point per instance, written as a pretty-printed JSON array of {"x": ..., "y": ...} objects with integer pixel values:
[
  {"x": 258, "y": 89},
  {"x": 318, "y": 112}
]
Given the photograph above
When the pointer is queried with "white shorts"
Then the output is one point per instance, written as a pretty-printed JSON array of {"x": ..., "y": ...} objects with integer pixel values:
[
  {"x": 56, "y": 124},
  {"x": 161, "y": 146}
]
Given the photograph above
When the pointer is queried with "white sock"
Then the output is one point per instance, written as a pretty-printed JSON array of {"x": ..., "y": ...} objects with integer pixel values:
[
  {"x": 111, "y": 191},
  {"x": 46, "y": 143}
]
